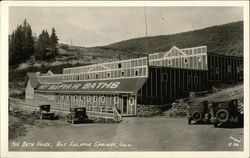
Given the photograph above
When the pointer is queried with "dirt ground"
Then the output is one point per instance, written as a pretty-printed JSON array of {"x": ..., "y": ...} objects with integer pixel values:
[
  {"x": 133, "y": 134},
  {"x": 159, "y": 133}
]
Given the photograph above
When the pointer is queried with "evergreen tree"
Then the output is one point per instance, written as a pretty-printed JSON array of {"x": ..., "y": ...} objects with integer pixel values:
[
  {"x": 21, "y": 44},
  {"x": 43, "y": 46},
  {"x": 54, "y": 42}
]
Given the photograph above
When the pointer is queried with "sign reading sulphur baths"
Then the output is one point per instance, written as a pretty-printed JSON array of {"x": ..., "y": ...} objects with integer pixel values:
[{"x": 81, "y": 86}]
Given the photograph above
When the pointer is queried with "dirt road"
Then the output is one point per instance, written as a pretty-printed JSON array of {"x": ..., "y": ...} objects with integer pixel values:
[{"x": 133, "y": 134}]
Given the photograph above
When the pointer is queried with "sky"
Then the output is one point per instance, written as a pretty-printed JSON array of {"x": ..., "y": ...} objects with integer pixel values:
[{"x": 98, "y": 26}]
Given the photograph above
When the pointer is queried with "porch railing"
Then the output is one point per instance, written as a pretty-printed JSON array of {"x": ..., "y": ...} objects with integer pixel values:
[
  {"x": 63, "y": 108},
  {"x": 104, "y": 112}
]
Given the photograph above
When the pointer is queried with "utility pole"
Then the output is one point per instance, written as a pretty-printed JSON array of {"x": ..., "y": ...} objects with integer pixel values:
[
  {"x": 146, "y": 29},
  {"x": 146, "y": 38}
]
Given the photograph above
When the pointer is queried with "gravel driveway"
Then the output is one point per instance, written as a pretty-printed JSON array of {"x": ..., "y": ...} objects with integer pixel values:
[{"x": 133, "y": 134}]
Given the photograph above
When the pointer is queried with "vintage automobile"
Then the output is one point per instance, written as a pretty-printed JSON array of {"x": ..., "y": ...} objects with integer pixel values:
[
  {"x": 77, "y": 114},
  {"x": 225, "y": 111},
  {"x": 198, "y": 111},
  {"x": 44, "y": 112}
]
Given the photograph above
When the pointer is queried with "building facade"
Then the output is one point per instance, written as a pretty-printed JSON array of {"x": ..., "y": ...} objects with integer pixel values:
[{"x": 157, "y": 79}]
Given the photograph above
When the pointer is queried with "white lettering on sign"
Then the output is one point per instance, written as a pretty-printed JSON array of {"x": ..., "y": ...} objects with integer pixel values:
[
  {"x": 76, "y": 86},
  {"x": 100, "y": 85},
  {"x": 92, "y": 86},
  {"x": 115, "y": 85},
  {"x": 86, "y": 86}
]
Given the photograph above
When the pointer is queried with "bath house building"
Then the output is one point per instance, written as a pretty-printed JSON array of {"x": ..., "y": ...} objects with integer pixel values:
[{"x": 157, "y": 79}]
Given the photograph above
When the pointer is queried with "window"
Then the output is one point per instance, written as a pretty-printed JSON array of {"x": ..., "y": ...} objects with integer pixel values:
[
  {"x": 88, "y": 98},
  {"x": 140, "y": 62},
  {"x": 217, "y": 70},
  {"x": 196, "y": 79},
  {"x": 119, "y": 65},
  {"x": 78, "y": 77},
  {"x": 238, "y": 69},
  {"x": 131, "y": 101},
  {"x": 199, "y": 59},
  {"x": 165, "y": 77},
  {"x": 241, "y": 67},
  {"x": 75, "y": 98},
  {"x": 108, "y": 74},
  {"x": 71, "y": 77},
  {"x": 136, "y": 73},
  {"x": 103, "y": 99},
  {"x": 123, "y": 73},
  {"x": 96, "y": 76},
  {"x": 94, "y": 99},
  {"x": 185, "y": 60},
  {"x": 144, "y": 61},
  {"x": 195, "y": 51},
  {"x": 88, "y": 77},
  {"x": 116, "y": 100},
  {"x": 228, "y": 68},
  {"x": 169, "y": 62}
]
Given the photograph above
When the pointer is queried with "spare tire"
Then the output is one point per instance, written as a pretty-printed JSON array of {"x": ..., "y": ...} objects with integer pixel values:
[
  {"x": 222, "y": 115},
  {"x": 196, "y": 116}
]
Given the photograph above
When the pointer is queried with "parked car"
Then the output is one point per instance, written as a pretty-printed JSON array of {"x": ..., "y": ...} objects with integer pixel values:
[
  {"x": 225, "y": 111},
  {"x": 198, "y": 111},
  {"x": 78, "y": 114},
  {"x": 44, "y": 112}
]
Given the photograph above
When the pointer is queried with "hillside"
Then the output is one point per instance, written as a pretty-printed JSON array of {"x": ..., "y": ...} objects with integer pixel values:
[{"x": 222, "y": 39}]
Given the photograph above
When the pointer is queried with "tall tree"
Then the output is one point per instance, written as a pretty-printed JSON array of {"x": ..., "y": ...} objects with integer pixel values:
[
  {"x": 54, "y": 41},
  {"x": 43, "y": 46},
  {"x": 21, "y": 44}
]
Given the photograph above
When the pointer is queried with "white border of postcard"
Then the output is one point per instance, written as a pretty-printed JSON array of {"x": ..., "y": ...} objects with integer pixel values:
[{"x": 4, "y": 78}]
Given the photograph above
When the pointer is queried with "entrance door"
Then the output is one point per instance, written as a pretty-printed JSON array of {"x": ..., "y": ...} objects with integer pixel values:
[
  {"x": 124, "y": 104},
  {"x": 131, "y": 105}
]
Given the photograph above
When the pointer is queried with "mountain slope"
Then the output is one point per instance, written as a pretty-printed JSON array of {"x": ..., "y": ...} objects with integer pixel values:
[{"x": 222, "y": 39}]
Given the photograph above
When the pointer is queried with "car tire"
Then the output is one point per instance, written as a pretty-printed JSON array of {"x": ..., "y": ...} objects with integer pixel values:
[
  {"x": 215, "y": 125},
  {"x": 222, "y": 115},
  {"x": 196, "y": 116}
]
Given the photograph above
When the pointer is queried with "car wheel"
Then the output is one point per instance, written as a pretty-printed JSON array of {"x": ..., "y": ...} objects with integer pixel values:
[
  {"x": 215, "y": 125},
  {"x": 222, "y": 116},
  {"x": 196, "y": 116}
]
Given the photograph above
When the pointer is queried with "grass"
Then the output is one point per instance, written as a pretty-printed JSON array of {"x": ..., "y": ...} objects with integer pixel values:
[
  {"x": 222, "y": 39},
  {"x": 18, "y": 121}
]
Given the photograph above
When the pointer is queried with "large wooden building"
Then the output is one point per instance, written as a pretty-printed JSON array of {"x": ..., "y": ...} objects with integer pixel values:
[{"x": 157, "y": 79}]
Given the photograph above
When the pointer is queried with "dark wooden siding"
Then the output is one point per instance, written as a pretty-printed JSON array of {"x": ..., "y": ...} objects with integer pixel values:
[
  {"x": 167, "y": 84},
  {"x": 224, "y": 68}
]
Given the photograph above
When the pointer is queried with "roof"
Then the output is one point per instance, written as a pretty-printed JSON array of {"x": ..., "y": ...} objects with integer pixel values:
[
  {"x": 33, "y": 79},
  {"x": 51, "y": 79},
  {"x": 113, "y": 86}
]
